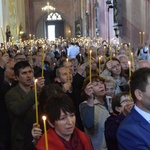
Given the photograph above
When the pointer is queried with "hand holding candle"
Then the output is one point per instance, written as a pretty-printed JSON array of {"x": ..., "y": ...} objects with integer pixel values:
[{"x": 45, "y": 133}]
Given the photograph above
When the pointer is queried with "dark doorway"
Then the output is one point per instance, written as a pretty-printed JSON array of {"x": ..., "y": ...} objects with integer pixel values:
[{"x": 59, "y": 27}]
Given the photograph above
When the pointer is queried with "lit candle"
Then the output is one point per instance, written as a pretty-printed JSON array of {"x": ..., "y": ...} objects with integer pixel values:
[
  {"x": 45, "y": 133},
  {"x": 80, "y": 58},
  {"x": 68, "y": 72},
  {"x": 143, "y": 38},
  {"x": 90, "y": 66},
  {"x": 30, "y": 36},
  {"x": 104, "y": 57},
  {"x": 140, "y": 38},
  {"x": 43, "y": 61},
  {"x": 129, "y": 51},
  {"x": 132, "y": 62},
  {"x": 36, "y": 101},
  {"x": 129, "y": 68}
]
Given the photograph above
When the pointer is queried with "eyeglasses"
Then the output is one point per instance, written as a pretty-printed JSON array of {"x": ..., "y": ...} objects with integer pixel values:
[{"x": 124, "y": 101}]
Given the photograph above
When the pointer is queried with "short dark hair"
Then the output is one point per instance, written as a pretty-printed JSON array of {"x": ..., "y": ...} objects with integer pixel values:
[
  {"x": 19, "y": 54},
  {"x": 62, "y": 61},
  {"x": 48, "y": 91},
  {"x": 20, "y": 65},
  {"x": 139, "y": 80},
  {"x": 58, "y": 72},
  {"x": 57, "y": 103},
  {"x": 116, "y": 101}
]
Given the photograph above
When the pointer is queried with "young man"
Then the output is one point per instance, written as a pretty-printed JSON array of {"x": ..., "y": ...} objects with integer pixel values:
[
  {"x": 134, "y": 131},
  {"x": 20, "y": 101},
  {"x": 63, "y": 134}
]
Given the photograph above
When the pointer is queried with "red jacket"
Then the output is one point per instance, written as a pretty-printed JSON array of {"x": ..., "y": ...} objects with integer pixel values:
[{"x": 54, "y": 142}]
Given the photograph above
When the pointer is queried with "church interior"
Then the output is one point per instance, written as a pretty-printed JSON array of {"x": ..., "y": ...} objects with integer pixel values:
[
  {"x": 74, "y": 74},
  {"x": 106, "y": 19}
]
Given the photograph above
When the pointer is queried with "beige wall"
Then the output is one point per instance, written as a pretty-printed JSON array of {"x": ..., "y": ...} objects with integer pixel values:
[
  {"x": 135, "y": 19},
  {"x": 28, "y": 13}
]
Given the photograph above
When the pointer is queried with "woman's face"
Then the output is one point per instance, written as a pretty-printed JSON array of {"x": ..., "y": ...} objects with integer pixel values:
[
  {"x": 110, "y": 89},
  {"x": 65, "y": 126},
  {"x": 116, "y": 68}
]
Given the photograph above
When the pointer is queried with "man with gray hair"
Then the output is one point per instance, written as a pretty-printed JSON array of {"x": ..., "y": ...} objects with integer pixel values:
[
  {"x": 142, "y": 64},
  {"x": 123, "y": 61}
]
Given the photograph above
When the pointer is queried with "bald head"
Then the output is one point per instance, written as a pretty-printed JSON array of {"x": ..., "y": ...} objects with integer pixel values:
[{"x": 143, "y": 64}]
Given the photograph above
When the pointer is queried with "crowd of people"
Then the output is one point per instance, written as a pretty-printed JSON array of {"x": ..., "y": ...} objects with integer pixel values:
[{"x": 95, "y": 96}]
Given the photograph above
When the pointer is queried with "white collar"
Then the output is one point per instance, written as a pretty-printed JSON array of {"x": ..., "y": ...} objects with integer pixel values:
[{"x": 144, "y": 114}]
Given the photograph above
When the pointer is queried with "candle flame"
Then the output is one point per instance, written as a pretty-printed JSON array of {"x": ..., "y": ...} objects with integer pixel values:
[
  {"x": 35, "y": 80},
  {"x": 44, "y": 118},
  {"x": 129, "y": 62}
]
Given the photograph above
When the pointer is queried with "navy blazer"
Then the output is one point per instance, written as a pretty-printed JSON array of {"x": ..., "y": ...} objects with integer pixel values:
[{"x": 134, "y": 132}]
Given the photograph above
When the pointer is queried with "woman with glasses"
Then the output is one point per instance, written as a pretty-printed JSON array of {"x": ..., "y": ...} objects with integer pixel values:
[{"x": 121, "y": 105}]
